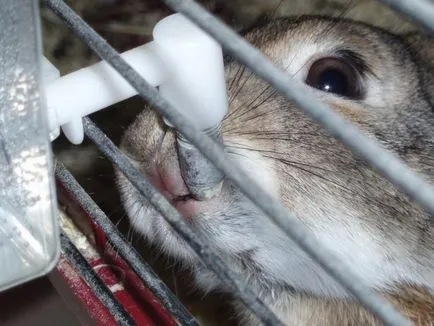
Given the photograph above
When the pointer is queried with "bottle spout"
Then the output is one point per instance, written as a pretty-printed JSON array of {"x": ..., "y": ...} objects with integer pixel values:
[{"x": 195, "y": 86}]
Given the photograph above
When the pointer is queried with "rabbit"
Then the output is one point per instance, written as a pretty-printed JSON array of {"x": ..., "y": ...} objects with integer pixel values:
[{"x": 381, "y": 82}]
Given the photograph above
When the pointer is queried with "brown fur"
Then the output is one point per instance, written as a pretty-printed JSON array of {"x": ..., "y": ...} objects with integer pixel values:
[
  {"x": 415, "y": 303},
  {"x": 387, "y": 238}
]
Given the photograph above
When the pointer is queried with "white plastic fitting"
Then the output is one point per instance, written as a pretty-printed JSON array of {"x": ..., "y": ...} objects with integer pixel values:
[
  {"x": 183, "y": 61},
  {"x": 49, "y": 74},
  {"x": 85, "y": 91},
  {"x": 195, "y": 80},
  {"x": 196, "y": 86}
]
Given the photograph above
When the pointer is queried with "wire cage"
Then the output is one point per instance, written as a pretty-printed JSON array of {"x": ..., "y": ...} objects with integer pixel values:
[{"x": 82, "y": 268}]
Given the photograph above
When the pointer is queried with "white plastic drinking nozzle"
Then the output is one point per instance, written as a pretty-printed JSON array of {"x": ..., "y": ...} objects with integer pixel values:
[
  {"x": 195, "y": 81},
  {"x": 183, "y": 61},
  {"x": 196, "y": 87},
  {"x": 186, "y": 64},
  {"x": 85, "y": 91}
]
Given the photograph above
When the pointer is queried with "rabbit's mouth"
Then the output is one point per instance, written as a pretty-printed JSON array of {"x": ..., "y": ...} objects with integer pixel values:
[
  {"x": 184, "y": 203},
  {"x": 166, "y": 177}
]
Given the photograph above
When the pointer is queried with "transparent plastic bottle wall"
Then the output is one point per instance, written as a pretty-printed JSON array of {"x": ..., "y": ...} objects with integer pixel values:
[{"x": 29, "y": 239}]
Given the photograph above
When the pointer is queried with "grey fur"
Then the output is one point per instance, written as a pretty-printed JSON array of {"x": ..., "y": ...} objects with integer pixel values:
[{"x": 333, "y": 191}]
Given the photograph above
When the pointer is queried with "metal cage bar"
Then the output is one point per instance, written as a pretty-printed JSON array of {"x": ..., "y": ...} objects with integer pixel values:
[
  {"x": 420, "y": 11},
  {"x": 400, "y": 175},
  {"x": 128, "y": 253},
  {"x": 196, "y": 241},
  {"x": 388, "y": 164},
  {"x": 99, "y": 288}
]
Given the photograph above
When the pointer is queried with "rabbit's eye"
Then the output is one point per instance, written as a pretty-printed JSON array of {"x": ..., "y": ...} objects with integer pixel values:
[{"x": 335, "y": 76}]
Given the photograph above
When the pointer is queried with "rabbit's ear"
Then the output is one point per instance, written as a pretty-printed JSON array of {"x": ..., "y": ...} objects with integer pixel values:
[{"x": 422, "y": 46}]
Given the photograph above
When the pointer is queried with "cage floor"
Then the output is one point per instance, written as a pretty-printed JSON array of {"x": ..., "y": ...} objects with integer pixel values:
[{"x": 35, "y": 303}]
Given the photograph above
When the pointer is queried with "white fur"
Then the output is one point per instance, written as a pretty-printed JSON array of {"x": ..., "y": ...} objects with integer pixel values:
[
  {"x": 232, "y": 225},
  {"x": 282, "y": 259}
]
